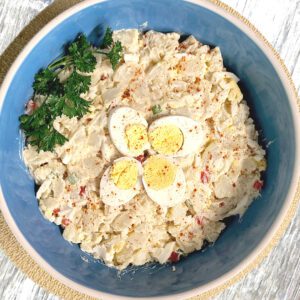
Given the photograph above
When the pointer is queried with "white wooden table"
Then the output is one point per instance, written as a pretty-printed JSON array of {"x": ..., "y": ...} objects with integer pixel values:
[{"x": 278, "y": 277}]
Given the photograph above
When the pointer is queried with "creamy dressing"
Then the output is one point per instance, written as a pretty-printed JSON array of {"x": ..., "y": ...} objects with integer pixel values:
[{"x": 222, "y": 177}]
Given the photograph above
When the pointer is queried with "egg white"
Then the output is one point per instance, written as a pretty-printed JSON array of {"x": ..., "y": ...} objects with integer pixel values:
[
  {"x": 193, "y": 133},
  {"x": 118, "y": 120},
  {"x": 111, "y": 195}
]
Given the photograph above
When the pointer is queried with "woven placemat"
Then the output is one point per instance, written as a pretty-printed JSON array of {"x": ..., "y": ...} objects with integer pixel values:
[{"x": 8, "y": 242}]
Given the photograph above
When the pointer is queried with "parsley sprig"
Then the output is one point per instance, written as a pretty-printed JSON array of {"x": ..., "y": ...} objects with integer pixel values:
[
  {"x": 115, "y": 48},
  {"x": 63, "y": 98},
  {"x": 38, "y": 127},
  {"x": 79, "y": 57}
]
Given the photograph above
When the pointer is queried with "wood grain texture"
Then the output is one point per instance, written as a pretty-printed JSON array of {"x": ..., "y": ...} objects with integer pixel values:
[{"x": 278, "y": 277}]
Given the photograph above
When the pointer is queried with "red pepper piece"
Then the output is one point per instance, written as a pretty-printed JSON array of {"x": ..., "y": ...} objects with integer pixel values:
[
  {"x": 31, "y": 106},
  {"x": 141, "y": 158},
  {"x": 258, "y": 184},
  {"x": 204, "y": 176},
  {"x": 82, "y": 190},
  {"x": 65, "y": 222},
  {"x": 174, "y": 257},
  {"x": 55, "y": 212},
  {"x": 199, "y": 220}
]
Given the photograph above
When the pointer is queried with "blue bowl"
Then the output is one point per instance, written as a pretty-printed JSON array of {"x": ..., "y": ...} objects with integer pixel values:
[{"x": 273, "y": 107}]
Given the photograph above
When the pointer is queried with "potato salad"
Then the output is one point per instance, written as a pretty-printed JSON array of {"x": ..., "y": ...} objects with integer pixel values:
[{"x": 165, "y": 151}]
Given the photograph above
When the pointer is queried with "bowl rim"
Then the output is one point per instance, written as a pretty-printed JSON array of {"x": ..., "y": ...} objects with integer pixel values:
[{"x": 246, "y": 27}]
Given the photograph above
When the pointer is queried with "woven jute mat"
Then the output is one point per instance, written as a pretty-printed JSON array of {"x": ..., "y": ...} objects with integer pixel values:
[{"x": 8, "y": 242}]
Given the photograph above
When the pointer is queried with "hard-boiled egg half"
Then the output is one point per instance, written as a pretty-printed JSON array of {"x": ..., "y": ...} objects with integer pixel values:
[
  {"x": 176, "y": 136},
  {"x": 121, "y": 181},
  {"x": 128, "y": 131},
  {"x": 163, "y": 181}
]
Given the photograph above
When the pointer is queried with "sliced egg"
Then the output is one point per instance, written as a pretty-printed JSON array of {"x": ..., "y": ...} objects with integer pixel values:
[
  {"x": 128, "y": 131},
  {"x": 163, "y": 181},
  {"x": 121, "y": 181},
  {"x": 176, "y": 136}
]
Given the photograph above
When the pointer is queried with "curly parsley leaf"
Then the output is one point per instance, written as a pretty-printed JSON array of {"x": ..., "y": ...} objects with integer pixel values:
[
  {"x": 52, "y": 138},
  {"x": 55, "y": 105},
  {"x": 46, "y": 138},
  {"x": 77, "y": 83},
  {"x": 75, "y": 106},
  {"x": 39, "y": 118},
  {"x": 46, "y": 82},
  {"x": 114, "y": 48},
  {"x": 107, "y": 39},
  {"x": 82, "y": 55},
  {"x": 39, "y": 130},
  {"x": 114, "y": 54}
]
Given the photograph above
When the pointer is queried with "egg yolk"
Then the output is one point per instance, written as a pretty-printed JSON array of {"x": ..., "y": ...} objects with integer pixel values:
[
  {"x": 159, "y": 173},
  {"x": 166, "y": 139},
  {"x": 136, "y": 136},
  {"x": 124, "y": 174}
]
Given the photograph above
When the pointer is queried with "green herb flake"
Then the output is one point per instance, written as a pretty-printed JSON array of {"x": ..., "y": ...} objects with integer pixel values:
[
  {"x": 72, "y": 178},
  {"x": 156, "y": 109}
]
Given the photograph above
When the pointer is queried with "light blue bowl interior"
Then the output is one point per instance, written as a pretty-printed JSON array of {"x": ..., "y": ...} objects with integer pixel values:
[{"x": 270, "y": 108}]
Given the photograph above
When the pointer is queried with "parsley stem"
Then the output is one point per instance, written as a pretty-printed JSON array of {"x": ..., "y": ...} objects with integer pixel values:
[
  {"x": 59, "y": 62},
  {"x": 101, "y": 52}
]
